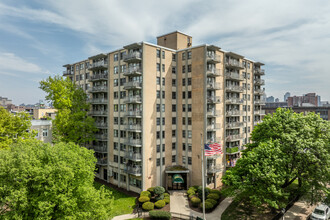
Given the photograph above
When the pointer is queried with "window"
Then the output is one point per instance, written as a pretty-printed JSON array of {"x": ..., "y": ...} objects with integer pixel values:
[
  {"x": 115, "y": 120},
  {"x": 189, "y": 107},
  {"x": 123, "y": 107},
  {"x": 158, "y": 162},
  {"x": 115, "y": 107},
  {"x": 163, "y": 81},
  {"x": 173, "y": 133},
  {"x": 115, "y": 69},
  {"x": 173, "y": 108},
  {"x": 158, "y": 121},
  {"x": 45, "y": 132},
  {"x": 163, "y": 67},
  {"x": 173, "y": 82},
  {"x": 163, "y": 94},
  {"x": 189, "y": 82},
  {"x": 158, "y": 134},
  {"x": 122, "y": 94},
  {"x": 115, "y": 82},
  {"x": 173, "y": 146},
  {"x": 189, "y": 160},
  {"x": 115, "y": 133},
  {"x": 173, "y": 70},
  {"x": 123, "y": 68},
  {"x": 183, "y": 95},
  {"x": 158, "y": 94},
  {"x": 163, "y": 121},
  {"x": 122, "y": 81},
  {"x": 115, "y": 95},
  {"x": 122, "y": 160},
  {"x": 173, "y": 120},
  {"x": 173, "y": 57},
  {"x": 163, "y": 107},
  {"x": 173, "y": 159},
  {"x": 189, "y": 147},
  {"x": 163, "y": 147},
  {"x": 163, "y": 160},
  {"x": 183, "y": 107},
  {"x": 183, "y": 69},
  {"x": 189, "y": 54},
  {"x": 163, "y": 134},
  {"x": 183, "y": 159},
  {"x": 189, "y": 121},
  {"x": 173, "y": 95},
  {"x": 115, "y": 57},
  {"x": 189, "y": 134},
  {"x": 163, "y": 54},
  {"x": 115, "y": 145},
  {"x": 158, "y": 53},
  {"x": 183, "y": 82},
  {"x": 122, "y": 178},
  {"x": 158, "y": 80},
  {"x": 115, "y": 158},
  {"x": 183, "y": 121},
  {"x": 158, "y": 67},
  {"x": 183, "y": 56},
  {"x": 122, "y": 54},
  {"x": 189, "y": 94},
  {"x": 158, "y": 107},
  {"x": 158, "y": 148},
  {"x": 189, "y": 68},
  {"x": 183, "y": 134}
]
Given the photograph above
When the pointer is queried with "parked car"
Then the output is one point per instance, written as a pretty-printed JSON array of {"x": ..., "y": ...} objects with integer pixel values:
[{"x": 321, "y": 212}]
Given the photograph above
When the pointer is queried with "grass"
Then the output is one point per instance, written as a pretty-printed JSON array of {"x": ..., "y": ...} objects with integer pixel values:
[{"x": 123, "y": 204}]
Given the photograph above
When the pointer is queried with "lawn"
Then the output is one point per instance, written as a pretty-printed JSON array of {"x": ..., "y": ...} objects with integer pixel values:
[{"x": 123, "y": 204}]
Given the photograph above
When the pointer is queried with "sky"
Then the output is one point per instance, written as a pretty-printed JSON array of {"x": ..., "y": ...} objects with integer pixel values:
[{"x": 291, "y": 37}]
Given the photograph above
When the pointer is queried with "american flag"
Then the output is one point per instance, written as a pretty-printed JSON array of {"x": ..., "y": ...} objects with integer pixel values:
[{"x": 211, "y": 149}]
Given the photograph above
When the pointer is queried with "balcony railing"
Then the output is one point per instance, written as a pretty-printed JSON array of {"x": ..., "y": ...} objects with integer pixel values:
[
  {"x": 259, "y": 71},
  {"x": 213, "y": 72},
  {"x": 132, "y": 85},
  {"x": 234, "y": 63},
  {"x": 101, "y": 124},
  {"x": 133, "y": 114},
  {"x": 232, "y": 88},
  {"x": 234, "y": 113},
  {"x": 256, "y": 122},
  {"x": 102, "y": 161},
  {"x": 100, "y": 89},
  {"x": 133, "y": 99},
  {"x": 131, "y": 71},
  {"x": 98, "y": 65},
  {"x": 101, "y": 149},
  {"x": 101, "y": 136},
  {"x": 214, "y": 168},
  {"x": 259, "y": 112},
  {"x": 213, "y": 86},
  {"x": 213, "y": 157},
  {"x": 231, "y": 162},
  {"x": 133, "y": 142},
  {"x": 259, "y": 91},
  {"x": 213, "y": 140},
  {"x": 213, "y": 126},
  {"x": 234, "y": 76},
  {"x": 103, "y": 101},
  {"x": 232, "y": 100},
  {"x": 213, "y": 113},
  {"x": 136, "y": 170},
  {"x": 259, "y": 81},
  {"x": 99, "y": 77},
  {"x": 134, "y": 127},
  {"x": 134, "y": 156},
  {"x": 259, "y": 101},
  {"x": 134, "y": 56},
  {"x": 234, "y": 124},
  {"x": 213, "y": 99},
  {"x": 234, "y": 137},
  {"x": 67, "y": 72},
  {"x": 99, "y": 112},
  {"x": 232, "y": 150},
  {"x": 213, "y": 58}
]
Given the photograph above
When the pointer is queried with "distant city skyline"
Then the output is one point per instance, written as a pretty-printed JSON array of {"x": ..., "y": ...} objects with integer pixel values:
[{"x": 40, "y": 36}]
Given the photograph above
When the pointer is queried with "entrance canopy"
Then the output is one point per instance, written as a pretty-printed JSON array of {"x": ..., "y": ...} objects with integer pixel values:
[{"x": 177, "y": 178}]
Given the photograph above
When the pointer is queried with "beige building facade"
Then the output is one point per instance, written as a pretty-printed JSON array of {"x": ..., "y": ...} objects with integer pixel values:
[{"x": 156, "y": 105}]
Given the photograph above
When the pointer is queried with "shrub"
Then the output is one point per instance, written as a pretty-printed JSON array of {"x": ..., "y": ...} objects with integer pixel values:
[
  {"x": 215, "y": 191},
  {"x": 167, "y": 200},
  {"x": 195, "y": 187},
  {"x": 158, "y": 190},
  {"x": 213, "y": 196},
  {"x": 192, "y": 188},
  {"x": 166, "y": 194},
  {"x": 195, "y": 201},
  {"x": 145, "y": 193},
  {"x": 200, "y": 191},
  {"x": 208, "y": 206},
  {"x": 148, "y": 206},
  {"x": 144, "y": 199},
  {"x": 191, "y": 192},
  {"x": 191, "y": 196},
  {"x": 151, "y": 190},
  {"x": 160, "y": 197},
  {"x": 212, "y": 201},
  {"x": 160, "y": 204},
  {"x": 156, "y": 214}
]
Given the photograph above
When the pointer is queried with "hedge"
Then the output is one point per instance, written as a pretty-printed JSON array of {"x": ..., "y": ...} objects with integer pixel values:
[
  {"x": 151, "y": 190},
  {"x": 213, "y": 196},
  {"x": 158, "y": 190},
  {"x": 208, "y": 206},
  {"x": 195, "y": 187},
  {"x": 167, "y": 200},
  {"x": 191, "y": 192},
  {"x": 160, "y": 197},
  {"x": 215, "y": 191},
  {"x": 212, "y": 201},
  {"x": 200, "y": 190},
  {"x": 159, "y": 215},
  {"x": 166, "y": 194},
  {"x": 191, "y": 196},
  {"x": 192, "y": 188},
  {"x": 195, "y": 201},
  {"x": 160, "y": 204},
  {"x": 145, "y": 193},
  {"x": 148, "y": 206},
  {"x": 144, "y": 199}
]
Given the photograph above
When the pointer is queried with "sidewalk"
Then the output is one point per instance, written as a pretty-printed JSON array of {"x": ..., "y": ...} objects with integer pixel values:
[{"x": 300, "y": 210}]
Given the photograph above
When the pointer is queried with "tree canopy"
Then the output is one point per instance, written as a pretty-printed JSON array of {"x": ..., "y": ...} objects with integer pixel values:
[
  {"x": 13, "y": 127},
  {"x": 287, "y": 149},
  {"x": 72, "y": 123},
  {"x": 41, "y": 181}
]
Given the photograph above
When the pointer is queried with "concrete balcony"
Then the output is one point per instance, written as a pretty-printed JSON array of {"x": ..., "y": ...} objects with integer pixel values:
[
  {"x": 213, "y": 72},
  {"x": 234, "y": 125},
  {"x": 213, "y": 99},
  {"x": 100, "y": 149},
  {"x": 213, "y": 157},
  {"x": 98, "y": 65},
  {"x": 214, "y": 168},
  {"x": 102, "y": 161},
  {"x": 134, "y": 142},
  {"x": 234, "y": 76},
  {"x": 234, "y": 113},
  {"x": 134, "y": 156},
  {"x": 213, "y": 86},
  {"x": 136, "y": 114},
  {"x": 234, "y": 137},
  {"x": 101, "y": 137},
  {"x": 213, "y": 113},
  {"x": 213, "y": 58},
  {"x": 259, "y": 82},
  {"x": 136, "y": 170},
  {"x": 99, "y": 113},
  {"x": 99, "y": 101},
  {"x": 259, "y": 112},
  {"x": 234, "y": 88},
  {"x": 134, "y": 127},
  {"x": 67, "y": 73},
  {"x": 232, "y": 150},
  {"x": 135, "y": 56},
  {"x": 99, "y": 77},
  {"x": 215, "y": 126},
  {"x": 133, "y": 85},
  {"x": 99, "y": 89},
  {"x": 133, "y": 99},
  {"x": 213, "y": 139},
  {"x": 231, "y": 100},
  {"x": 133, "y": 71},
  {"x": 101, "y": 124},
  {"x": 234, "y": 64},
  {"x": 259, "y": 72},
  {"x": 259, "y": 102}
]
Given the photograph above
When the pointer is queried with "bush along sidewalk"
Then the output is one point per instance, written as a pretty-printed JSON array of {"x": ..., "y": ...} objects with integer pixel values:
[{"x": 154, "y": 197}]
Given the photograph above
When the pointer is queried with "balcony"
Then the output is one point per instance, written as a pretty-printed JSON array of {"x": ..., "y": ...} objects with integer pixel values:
[
  {"x": 214, "y": 168},
  {"x": 101, "y": 136},
  {"x": 232, "y": 100},
  {"x": 98, "y": 77},
  {"x": 99, "y": 101},
  {"x": 136, "y": 170},
  {"x": 67, "y": 73},
  {"x": 234, "y": 64},
  {"x": 213, "y": 58},
  {"x": 259, "y": 102},
  {"x": 134, "y": 127},
  {"x": 213, "y": 140},
  {"x": 234, "y": 113},
  {"x": 259, "y": 91},
  {"x": 99, "y": 89},
  {"x": 137, "y": 114},
  {"x": 232, "y": 150},
  {"x": 234, "y": 137},
  {"x": 232, "y": 88},
  {"x": 259, "y": 112},
  {"x": 133, "y": 71},
  {"x": 101, "y": 124},
  {"x": 231, "y": 162},
  {"x": 99, "y": 113},
  {"x": 215, "y": 126},
  {"x": 213, "y": 72},
  {"x": 133, "y": 99},
  {"x": 259, "y": 72},
  {"x": 213, "y": 86},
  {"x": 133, "y": 85},
  {"x": 213, "y": 99},
  {"x": 259, "y": 82},
  {"x": 213, "y": 113},
  {"x": 234, "y": 125},
  {"x": 135, "y": 56},
  {"x": 98, "y": 65},
  {"x": 134, "y": 142},
  {"x": 100, "y": 149},
  {"x": 134, "y": 156},
  {"x": 213, "y": 157},
  {"x": 102, "y": 161},
  {"x": 234, "y": 76},
  {"x": 256, "y": 122}
]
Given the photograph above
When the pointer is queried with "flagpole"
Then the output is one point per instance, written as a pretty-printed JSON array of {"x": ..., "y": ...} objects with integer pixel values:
[{"x": 203, "y": 189}]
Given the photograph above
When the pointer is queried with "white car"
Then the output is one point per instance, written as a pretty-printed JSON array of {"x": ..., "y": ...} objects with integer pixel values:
[{"x": 321, "y": 212}]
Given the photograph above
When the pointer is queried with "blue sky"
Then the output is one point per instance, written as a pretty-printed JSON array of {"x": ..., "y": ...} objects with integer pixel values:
[{"x": 291, "y": 37}]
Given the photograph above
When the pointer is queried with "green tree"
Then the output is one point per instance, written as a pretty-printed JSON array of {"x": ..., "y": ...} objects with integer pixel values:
[
  {"x": 43, "y": 181},
  {"x": 72, "y": 122},
  {"x": 287, "y": 149},
  {"x": 13, "y": 127}
]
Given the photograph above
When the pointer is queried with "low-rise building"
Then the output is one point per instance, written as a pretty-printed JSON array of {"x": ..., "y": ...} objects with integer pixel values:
[{"x": 44, "y": 129}]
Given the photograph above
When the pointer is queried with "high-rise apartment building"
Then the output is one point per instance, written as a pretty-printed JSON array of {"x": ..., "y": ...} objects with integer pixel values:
[{"x": 155, "y": 105}]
